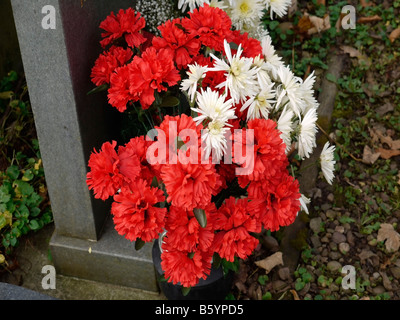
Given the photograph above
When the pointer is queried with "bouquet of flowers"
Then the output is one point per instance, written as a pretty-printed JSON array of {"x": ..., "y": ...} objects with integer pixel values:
[{"x": 225, "y": 116}]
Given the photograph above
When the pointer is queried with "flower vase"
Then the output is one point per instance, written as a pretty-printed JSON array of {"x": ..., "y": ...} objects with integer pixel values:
[{"x": 215, "y": 287}]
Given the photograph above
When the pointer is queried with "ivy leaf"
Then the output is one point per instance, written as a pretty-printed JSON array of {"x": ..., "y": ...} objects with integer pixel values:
[
  {"x": 34, "y": 225},
  {"x": 24, "y": 188},
  {"x": 13, "y": 172},
  {"x": 4, "y": 195},
  {"x": 28, "y": 175}
]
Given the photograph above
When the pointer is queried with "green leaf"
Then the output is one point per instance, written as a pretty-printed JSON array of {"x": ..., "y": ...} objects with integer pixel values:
[
  {"x": 34, "y": 225},
  {"x": 331, "y": 78},
  {"x": 262, "y": 279},
  {"x": 13, "y": 241},
  {"x": 23, "y": 211},
  {"x": 28, "y": 175},
  {"x": 169, "y": 102},
  {"x": 25, "y": 188},
  {"x": 4, "y": 195},
  {"x": 3, "y": 221},
  {"x": 98, "y": 89},
  {"x": 185, "y": 291},
  {"x": 13, "y": 172},
  {"x": 267, "y": 296},
  {"x": 299, "y": 285},
  {"x": 139, "y": 243},
  {"x": 201, "y": 217},
  {"x": 33, "y": 200},
  {"x": 6, "y": 95},
  {"x": 35, "y": 212}
]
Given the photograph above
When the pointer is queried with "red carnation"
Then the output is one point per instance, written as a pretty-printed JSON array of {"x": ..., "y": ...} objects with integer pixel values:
[
  {"x": 104, "y": 177},
  {"x": 190, "y": 185},
  {"x": 183, "y": 45},
  {"x": 185, "y": 267},
  {"x": 269, "y": 151},
  {"x": 235, "y": 221},
  {"x": 130, "y": 166},
  {"x": 251, "y": 47},
  {"x": 126, "y": 23},
  {"x": 135, "y": 213},
  {"x": 211, "y": 24},
  {"x": 138, "y": 146},
  {"x": 107, "y": 62},
  {"x": 154, "y": 70},
  {"x": 120, "y": 91},
  {"x": 174, "y": 130},
  {"x": 184, "y": 231},
  {"x": 280, "y": 204}
]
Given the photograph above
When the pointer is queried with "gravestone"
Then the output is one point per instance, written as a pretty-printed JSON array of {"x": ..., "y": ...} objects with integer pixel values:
[{"x": 57, "y": 63}]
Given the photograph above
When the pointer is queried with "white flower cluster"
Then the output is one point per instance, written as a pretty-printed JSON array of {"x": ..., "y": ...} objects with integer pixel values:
[
  {"x": 267, "y": 89},
  {"x": 245, "y": 14}
]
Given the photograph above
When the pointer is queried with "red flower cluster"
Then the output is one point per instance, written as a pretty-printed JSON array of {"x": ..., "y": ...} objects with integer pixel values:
[
  {"x": 162, "y": 182},
  {"x": 156, "y": 68}
]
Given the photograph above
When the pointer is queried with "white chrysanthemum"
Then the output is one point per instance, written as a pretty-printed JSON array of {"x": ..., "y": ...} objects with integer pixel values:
[
  {"x": 304, "y": 201},
  {"x": 285, "y": 126},
  {"x": 306, "y": 139},
  {"x": 245, "y": 12},
  {"x": 214, "y": 137},
  {"x": 307, "y": 93},
  {"x": 279, "y": 7},
  {"x": 182, "y": 4},
  {"x": 218, "y": 4},
  {"x": 328, "y": 162},
  {"x": 260, "y": 105},
  {"x": 195, "y": 74},
  {"x": 291, "y": 88},
  {"x": 241, "y": 76},
  {"x": 272, "y": 61},
  {"x": 213, "y": 107}
]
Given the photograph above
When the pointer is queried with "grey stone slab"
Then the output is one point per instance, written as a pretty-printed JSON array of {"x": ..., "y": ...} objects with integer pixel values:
[
  {"x": 111, "y": 259},
  {"x": 69, "y": 123},
  {"x": 12, "y": 292}
]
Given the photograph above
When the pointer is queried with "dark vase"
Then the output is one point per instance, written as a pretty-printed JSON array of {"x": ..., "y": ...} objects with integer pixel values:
[{"x": 215, "y": 287}]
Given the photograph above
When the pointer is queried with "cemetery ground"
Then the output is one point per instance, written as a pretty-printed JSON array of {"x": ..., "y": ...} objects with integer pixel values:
[{"x": 354, "y": 222}]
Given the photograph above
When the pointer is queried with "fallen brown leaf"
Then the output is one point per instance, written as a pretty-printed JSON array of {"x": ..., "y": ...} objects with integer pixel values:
[
  {"x": 321, "y": 2},
  {"x": 319, "y": 24},
  {"x": 369, "y": 157},
  {"x": 390, "y": 236},
  {"x": 365, "y": 3},
  {"x": 369, "y": 19},
  {"x": 312, "y": 24},
  {"x": 270, "y": 262},
  {"x": 394, "y": 35},
  {"x": 387, "y": 154},
  {"x": 353, "y": 52}
]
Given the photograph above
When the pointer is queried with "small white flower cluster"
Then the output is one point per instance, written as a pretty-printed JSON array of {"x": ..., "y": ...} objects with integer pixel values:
[
  {"x": 156, "y": 12},
  {"x": 246, "y": 15}
]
